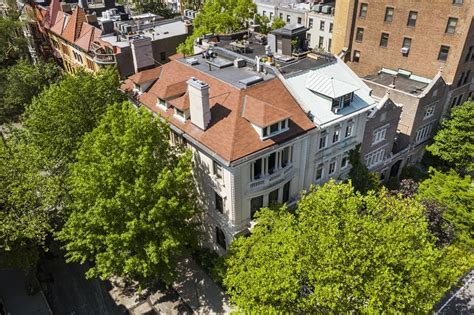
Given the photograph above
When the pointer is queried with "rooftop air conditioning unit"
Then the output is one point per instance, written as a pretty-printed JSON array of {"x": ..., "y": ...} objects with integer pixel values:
[{"x": 405, "y": 50}]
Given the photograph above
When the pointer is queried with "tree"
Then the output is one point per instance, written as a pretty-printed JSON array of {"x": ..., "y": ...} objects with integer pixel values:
[
  {"x": 454, "y": 142},
  {"x": 155, "y": 7},
  {"x": 20, "y": 83},
  {"x": 264, "y": 22},
  {"x": 59, "y": 117},
  {"x": 278, "y": 23},
  {"x": 26, "y": 203},
  {"x": 12, "y": 43},
  {"x": 219, "y": 17},
  {"x": 456, "y": 195},
  {"x": 362, "y": 180},
  {"x": 132, "y": 199},
  {"x": 342, "y": 252}
]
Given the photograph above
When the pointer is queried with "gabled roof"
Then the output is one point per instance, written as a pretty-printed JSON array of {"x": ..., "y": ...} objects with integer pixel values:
[
  {"x": 328, "y": 86},
  {"x": 52, "y": 12},
  {"x": 170, "y": 91},
  {"x": 181, "y": 103},
  {"x": 146, "y": 76},
  {"x": 73, "y": 28},
  {"x": 59, "y": 24},
  {"x": 85, "y": 39},
  {"x": 261, "y": 113},
  {"x": 228, "y": 135}
]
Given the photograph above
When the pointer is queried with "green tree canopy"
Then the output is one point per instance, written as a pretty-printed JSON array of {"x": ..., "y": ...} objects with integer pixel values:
[
  {"x": 277, "y": 23},
  {"x": 219, "y": 17},
  {"x": 26, "y": 203},
  {"x": 342, "y": 252},
  {"x": 20, "y": 82},
  {"x": 59, "y": 117},
  {"x": 155, "y": 7},
  {"x": 454, "y": 142},
  {"x": 362, "y": 180},
  {"x": 12, "y": 43},
  {"x": 132, "y": 199},
  {"x": 456, "y": 194}
]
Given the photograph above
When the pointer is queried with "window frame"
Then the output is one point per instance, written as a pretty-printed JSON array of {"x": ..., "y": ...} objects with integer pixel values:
[
  {"x": 217, "y": 170},
  {"x": 364, "y": 8},
  {"x": 359, "y": 34},
  {"x": 384, "y": 37},
  {"x": 412, "y": 22},
  {"x": 450, "y": 29},
  {"x": 356, "y": 56},
  {"x": 443, "y": 56},
  {"x": 219, "y": 205},
  {"x": 322, "y": 25},
  {"x": 386, "y": 16}
]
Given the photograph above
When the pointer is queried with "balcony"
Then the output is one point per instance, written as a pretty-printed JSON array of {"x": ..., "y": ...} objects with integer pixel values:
[
  {"x": 105, "y": 59},
  {"x": 271, "y": 180}
]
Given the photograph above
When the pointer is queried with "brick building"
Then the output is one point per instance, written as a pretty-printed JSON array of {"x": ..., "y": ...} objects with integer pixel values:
[{"x": 421, "y": 36}]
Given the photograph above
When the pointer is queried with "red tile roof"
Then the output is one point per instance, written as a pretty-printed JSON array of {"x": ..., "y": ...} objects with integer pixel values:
[
  {"x": 73, "y": 28},
  {"x": 261, "y": 113},
  {"x": 145, "y": 75},
  {"x": 229, "y": 135}
]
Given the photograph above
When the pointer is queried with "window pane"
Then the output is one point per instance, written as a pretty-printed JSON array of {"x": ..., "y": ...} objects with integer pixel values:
[
  {"x": 257, "y": 169},
  {"x": 219, "y": 203},
  {"x": 285, "y": 156},
  {"x": 443, "y": 53},
  {"x": 272, "y": 163},
  {"x": 451, "y": 27},
  {"x": 274, "y": 128},
  {"x": 363, "y": 10},
  {"x": 255, "y": 205},
  {"x": 359, "y": 34},
  {"x": 356, "y": 57},
  {"x": 220, "y": 238},
  {"x": 388, "y": 15},
  {"x": 286, "y": 192},
  {"x": 384, "y": 40},
  {"x": 273, "y": 197},
  {"x": 412, "y": 18}
]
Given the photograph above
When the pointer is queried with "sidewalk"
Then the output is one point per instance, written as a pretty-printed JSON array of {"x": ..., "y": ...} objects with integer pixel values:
[{"x": 199, "y": 291}]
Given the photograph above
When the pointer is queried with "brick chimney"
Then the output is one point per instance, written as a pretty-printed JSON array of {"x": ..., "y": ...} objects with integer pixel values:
[{"x": 199, "y": 103}]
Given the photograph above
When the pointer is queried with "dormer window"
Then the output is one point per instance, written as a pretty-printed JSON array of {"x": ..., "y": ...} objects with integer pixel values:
[
  {"x": 162, "y": 103},
  {"x": 266, "y": 119},
  {"x": 179, "y": 113},
  {"x": 275, "y": 129},
  {"x": 341, "y": 102}
]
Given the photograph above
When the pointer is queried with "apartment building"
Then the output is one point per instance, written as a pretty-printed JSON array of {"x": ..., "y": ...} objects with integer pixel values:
[
  {"x": 318, "y": 18},
  {"x": 262, "y": 126},
  {"x": 320, "y": 22},
  {"x": 420, "y": 36}
]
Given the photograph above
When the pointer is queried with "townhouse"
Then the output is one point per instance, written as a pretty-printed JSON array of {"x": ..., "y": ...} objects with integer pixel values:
[
  {"x": 318, "y": 18},
  {"x": 263, "y": 126},
  {"x": 80, "y": 39}
]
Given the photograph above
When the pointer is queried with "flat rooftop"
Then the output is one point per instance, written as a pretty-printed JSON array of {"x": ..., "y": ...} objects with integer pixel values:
[
  {"x": 222, "y": 67},
  {"x": 411, "y": 84},
  {"x": 158, "y": 32}
]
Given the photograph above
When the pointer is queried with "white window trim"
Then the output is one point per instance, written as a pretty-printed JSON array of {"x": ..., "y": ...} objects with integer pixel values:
[
  {"x": 280, "y": 129},
  {"x": 380, "y": 131},
  {"x": 375, "y": 157}
]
